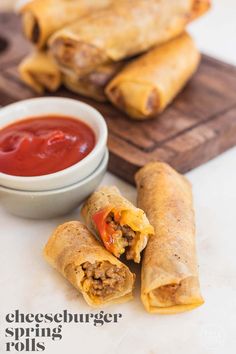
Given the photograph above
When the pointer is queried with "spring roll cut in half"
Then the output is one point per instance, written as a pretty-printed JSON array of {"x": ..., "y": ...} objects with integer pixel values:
[
  {"x": 122, "y": 227},
  {"x": 122, "y": 30},
  {"x": 89, "y": 267},
  {"x": 148, "y": 84},
  {"x": 41, "y": 18},
  {"x": 93, "y": 84},
  {"x": 39, "y": 71},
  {"x": 169, "y": 276}
]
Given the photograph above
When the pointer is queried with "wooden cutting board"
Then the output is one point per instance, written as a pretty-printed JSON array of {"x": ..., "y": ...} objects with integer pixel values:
[{"x": 199, "y": 125}]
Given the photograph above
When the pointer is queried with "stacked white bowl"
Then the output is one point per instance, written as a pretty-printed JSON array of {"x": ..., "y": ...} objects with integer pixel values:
[{"x": 56, "y": 193}]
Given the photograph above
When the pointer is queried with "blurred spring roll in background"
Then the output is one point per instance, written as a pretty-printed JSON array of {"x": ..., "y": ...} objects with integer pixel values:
[
  {"x": 39, "y": 71},
  {"x": 122, "y": 227},
  {"x": 169, "y": 278},
  {"x": 200, "y": 7},
  {"x": 89, "y": 267},
  {"x": 41, "y": 18},
  {"x": 122, "y": 30},
  {"x": 148, "y": 84},
  {"x": 93, "y": 84}
]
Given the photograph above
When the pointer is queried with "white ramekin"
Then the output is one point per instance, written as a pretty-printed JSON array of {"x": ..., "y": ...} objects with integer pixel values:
[
  {"x": 59, "y": 106},
  {"x": 57, "y": 202}
]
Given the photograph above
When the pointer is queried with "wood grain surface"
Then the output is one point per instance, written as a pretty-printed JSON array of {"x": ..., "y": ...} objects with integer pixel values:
[{"x": 199, "y": 125}]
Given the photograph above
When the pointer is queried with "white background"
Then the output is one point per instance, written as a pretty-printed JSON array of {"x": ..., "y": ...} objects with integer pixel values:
[{"x": 29, "y": 284}]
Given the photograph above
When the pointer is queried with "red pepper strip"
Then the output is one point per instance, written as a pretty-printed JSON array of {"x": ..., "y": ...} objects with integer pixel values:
[{"x": 105, "y": 230}]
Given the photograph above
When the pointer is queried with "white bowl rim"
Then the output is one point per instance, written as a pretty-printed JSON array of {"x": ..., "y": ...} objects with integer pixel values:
[
  {"x": 63, "y": 189},
  {"x": 99, "y": 143}
]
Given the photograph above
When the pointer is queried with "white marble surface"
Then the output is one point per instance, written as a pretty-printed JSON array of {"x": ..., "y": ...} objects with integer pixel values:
[{"x": 27, "y": 283}]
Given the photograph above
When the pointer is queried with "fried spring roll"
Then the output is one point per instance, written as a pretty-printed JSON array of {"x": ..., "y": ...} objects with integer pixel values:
[
  {"x": 93, "y": 84},
  {"x": 122, "y": 227},
  {"x": 169, "y": 277},
  {"x": 81, "y": 259},
  {"x": 41, "y": 18},
  {"x": 200, "y": 7},
  {"x": 148, "y": 84},
  {"x": 123, "y": 29},
  {"x": 39, "y": 71}
]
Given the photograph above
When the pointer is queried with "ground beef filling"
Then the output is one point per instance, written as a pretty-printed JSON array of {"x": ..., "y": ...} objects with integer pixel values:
[
  {"x": 103, "y": 278},
  {"x": 167, "y": 294},
  {"x": 124, "y": 235}
]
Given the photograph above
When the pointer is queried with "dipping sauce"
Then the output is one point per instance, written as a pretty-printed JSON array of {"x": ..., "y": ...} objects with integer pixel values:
[{"x": 43, "y": 145}]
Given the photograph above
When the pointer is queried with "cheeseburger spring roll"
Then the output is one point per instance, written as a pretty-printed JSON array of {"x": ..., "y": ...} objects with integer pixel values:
[
  {"x": 148, "y": 84},
  {"x": 122, "y": 227},
  {"x": 39, "y": 71},
  {"x": 41, "y": 18},
  {"x": 79, "y": 257},
  {"x": 123, "y": 29},
  {"x": 169, "y": 277},
  {"x": 200, "y": 7},
  {"x": 93, "y": 84}
]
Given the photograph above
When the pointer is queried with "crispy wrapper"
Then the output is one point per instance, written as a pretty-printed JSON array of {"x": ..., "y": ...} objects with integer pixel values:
[
  {"x": 200, "y": 7},
  {"x": 93, "y": 84},
  {"x": 39, "y": 71},
  {"x": 123, "y": 29},
  {"x": 122, "y": 227},
  {"x": 80, "y": 258},
  {"x": 148, "y": 84},
  {"x": 41, "y": 18},
  {"x": 169, "y": 277}
]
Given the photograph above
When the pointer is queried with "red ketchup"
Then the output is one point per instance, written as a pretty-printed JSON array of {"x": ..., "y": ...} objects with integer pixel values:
[{"x": 43, "y": 145}]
